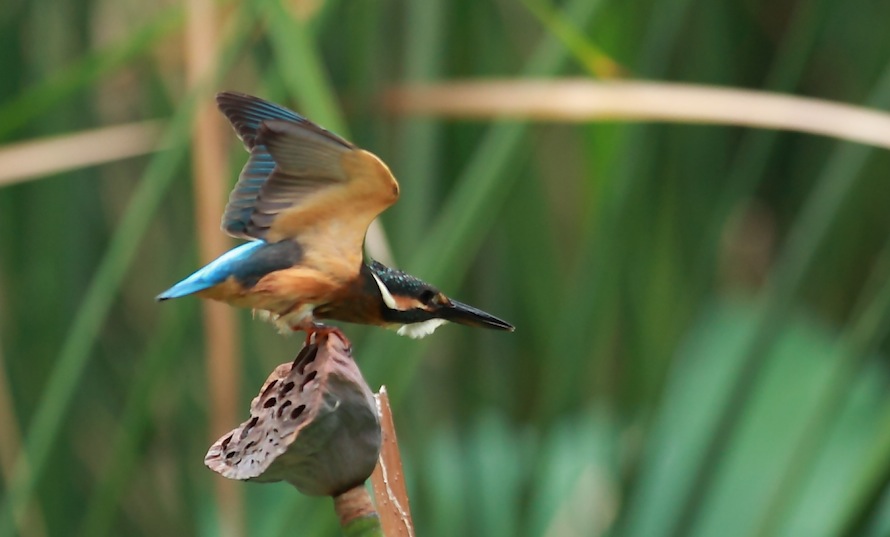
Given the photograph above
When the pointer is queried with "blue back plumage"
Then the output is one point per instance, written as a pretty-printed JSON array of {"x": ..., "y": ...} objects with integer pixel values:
[
  {"x": 214, "y": 273},
  {"x": 246, "y": 264}
]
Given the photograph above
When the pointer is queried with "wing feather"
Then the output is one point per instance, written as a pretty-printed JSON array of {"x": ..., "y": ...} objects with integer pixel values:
[
  {"x": 303, "y": 182},
  {"x": 246, "y": 112}
]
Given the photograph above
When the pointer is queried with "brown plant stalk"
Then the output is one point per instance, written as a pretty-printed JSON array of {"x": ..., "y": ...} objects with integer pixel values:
[
  {"x": 585, "y": 100},
  {"x": 388, "y": 480},
  {"x": 209, "y": 168}
]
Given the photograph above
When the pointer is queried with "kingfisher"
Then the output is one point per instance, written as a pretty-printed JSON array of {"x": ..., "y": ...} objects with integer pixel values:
[{"x": 304, "y": 200}]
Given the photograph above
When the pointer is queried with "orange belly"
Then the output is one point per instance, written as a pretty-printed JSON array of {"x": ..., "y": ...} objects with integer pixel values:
[{"x": 278, "y": 292}]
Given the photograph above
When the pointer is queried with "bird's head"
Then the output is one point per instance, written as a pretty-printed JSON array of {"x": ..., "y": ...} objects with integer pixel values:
[{"x": 416, "y": 308}]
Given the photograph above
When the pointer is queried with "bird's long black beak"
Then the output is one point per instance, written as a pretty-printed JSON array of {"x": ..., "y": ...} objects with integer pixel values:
[{"x": 461, "y": 313}]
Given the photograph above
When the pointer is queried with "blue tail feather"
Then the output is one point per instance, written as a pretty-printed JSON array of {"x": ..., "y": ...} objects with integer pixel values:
[{"x": 214, "y": 273}]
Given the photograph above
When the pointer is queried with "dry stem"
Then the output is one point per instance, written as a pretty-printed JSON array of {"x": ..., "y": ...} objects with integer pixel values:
[{"x": 390, "y": 493}]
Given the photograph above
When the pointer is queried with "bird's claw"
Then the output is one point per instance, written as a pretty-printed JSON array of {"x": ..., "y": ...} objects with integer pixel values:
[{"x": 316, "y": 331}]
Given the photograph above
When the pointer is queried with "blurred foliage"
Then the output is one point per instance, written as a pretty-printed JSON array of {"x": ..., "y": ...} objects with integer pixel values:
[{"x": 701, "y": 312}]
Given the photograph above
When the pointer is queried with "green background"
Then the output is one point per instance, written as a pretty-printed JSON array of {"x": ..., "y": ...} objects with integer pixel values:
[{"x": 701, "y": 311}]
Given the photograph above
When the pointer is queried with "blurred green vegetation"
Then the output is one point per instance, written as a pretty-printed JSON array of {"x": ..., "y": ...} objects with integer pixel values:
[{"x": 701, "y": 311}]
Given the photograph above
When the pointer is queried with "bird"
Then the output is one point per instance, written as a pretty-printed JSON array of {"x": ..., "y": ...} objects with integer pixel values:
[{"x": 304, "y": 201}]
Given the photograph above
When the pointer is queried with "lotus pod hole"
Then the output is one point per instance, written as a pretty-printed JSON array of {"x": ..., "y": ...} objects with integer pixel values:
[{"x": 313, "y": 424}]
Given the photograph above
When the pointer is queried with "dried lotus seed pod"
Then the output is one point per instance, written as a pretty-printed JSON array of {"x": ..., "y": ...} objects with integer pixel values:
[{"x": 314, "y": 424}]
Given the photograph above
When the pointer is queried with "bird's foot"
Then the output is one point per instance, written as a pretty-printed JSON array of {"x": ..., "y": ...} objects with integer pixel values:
[{"x": 316, "y": 331}]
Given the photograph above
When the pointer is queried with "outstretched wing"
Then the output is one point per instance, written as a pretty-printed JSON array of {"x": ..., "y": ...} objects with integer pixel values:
[{"x": 302, "y": 182}]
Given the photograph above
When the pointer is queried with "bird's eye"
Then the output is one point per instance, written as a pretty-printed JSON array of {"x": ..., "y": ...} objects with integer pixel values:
[{"x": 427, "y": 296}]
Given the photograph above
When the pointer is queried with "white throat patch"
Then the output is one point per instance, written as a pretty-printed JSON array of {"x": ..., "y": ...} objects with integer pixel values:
[
  {"x": 384, "y": 292},
  {"x": 422, "y": 329}
]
